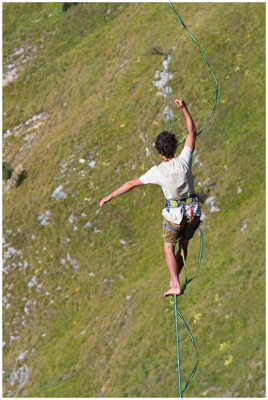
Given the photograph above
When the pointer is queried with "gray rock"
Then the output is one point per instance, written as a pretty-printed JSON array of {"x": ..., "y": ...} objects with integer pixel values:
[
  {"x": 168, "y": 114},
  {"x": 73, "y": 262},
  {"x": 19, "y": 377},
  {"x": 43, "y": 219},
  {"x": 92, "y": 164},
  {"x": 21, "y": 356},
  {"x": 59, "y": 193},
  {"x": 244, "y": 227},
  {"x": 72, "y": 218}
]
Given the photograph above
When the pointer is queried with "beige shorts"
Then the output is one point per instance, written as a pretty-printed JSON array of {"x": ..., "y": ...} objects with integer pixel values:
[{"x": 174, "y": 233}]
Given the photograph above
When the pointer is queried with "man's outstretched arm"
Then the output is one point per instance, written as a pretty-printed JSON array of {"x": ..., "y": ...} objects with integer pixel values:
[
  {"x": 126, "y": 187},
  {"x": 190, "y": 125}
]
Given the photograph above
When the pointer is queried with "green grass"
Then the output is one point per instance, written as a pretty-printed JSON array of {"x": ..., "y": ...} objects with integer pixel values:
[{"x": 98, "y": 109}]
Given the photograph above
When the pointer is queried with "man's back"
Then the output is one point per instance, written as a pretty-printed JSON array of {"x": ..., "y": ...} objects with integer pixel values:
[{"x": 174, "y": 176}]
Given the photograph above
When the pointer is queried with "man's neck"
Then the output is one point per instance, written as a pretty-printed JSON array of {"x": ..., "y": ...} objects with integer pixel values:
[{"x": 167, "y": 158}]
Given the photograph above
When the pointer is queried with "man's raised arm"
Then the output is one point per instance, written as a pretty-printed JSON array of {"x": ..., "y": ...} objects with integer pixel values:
[{"x": 190, "y": 125}]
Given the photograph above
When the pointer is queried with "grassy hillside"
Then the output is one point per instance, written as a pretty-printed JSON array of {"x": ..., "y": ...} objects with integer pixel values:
[{"x": 83, "y": 312}]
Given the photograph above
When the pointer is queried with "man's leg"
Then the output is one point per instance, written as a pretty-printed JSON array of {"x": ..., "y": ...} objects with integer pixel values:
[
  {"x": 185, "y": 235},
  {"x": 182, "y": 254},
  {"x": 173, "y": 268}
]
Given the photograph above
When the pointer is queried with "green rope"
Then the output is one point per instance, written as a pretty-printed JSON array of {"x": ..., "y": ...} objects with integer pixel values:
[
  {"x": 193, "y": 372},
  {"x": 178, "y": 357},
  {"x": 178, "y": 315},
  {"x": 206, "y": 62},
  {"x": 199, "y": 261}
]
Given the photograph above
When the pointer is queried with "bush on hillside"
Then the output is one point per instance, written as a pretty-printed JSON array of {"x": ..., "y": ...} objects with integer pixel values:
[
  {"x": 66, "y": 6},
  {"x": 7, "y": 171},
  {"x": 21, "y": 177}
]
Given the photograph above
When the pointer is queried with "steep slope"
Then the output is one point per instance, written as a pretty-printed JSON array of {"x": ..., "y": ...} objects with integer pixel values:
[{"x": 82, "y": 287}]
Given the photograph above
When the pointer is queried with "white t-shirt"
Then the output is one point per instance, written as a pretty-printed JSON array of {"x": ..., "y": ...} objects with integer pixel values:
[{"x": 175, "y": 178}]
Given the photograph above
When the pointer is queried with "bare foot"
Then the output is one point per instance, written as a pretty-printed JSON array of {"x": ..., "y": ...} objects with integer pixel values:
[{"x": 172, "y": 291}]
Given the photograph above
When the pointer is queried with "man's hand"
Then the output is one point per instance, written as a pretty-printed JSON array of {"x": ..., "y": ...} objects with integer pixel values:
[
  {"x": 180, "y": 103},
  {"x": 105, "y": 200}
]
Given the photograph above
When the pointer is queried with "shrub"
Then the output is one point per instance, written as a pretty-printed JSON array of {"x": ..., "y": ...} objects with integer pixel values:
[
  {"x": 21, "y": 177},
  {"x": 66, "y": 6},
  {"x": 7, "y": 171}
]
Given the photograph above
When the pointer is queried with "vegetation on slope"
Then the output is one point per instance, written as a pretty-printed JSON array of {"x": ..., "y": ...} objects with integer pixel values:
[{"x": 83, "y": 309}]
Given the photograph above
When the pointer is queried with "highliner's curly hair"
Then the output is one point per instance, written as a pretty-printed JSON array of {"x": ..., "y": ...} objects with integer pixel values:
[{"x": 166, "y": 144}]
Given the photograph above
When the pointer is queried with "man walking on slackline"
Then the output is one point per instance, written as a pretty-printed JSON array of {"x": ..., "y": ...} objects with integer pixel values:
[{"x": 182, "y": 210}]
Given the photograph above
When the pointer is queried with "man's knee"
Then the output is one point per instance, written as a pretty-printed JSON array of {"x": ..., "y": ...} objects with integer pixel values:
[{"x": 169, "y": 248}]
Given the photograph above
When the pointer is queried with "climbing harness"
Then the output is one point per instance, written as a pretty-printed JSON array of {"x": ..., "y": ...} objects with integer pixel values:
[
  {"x": 190, "y": 206},
  {"x": 216, "y": 98}
]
